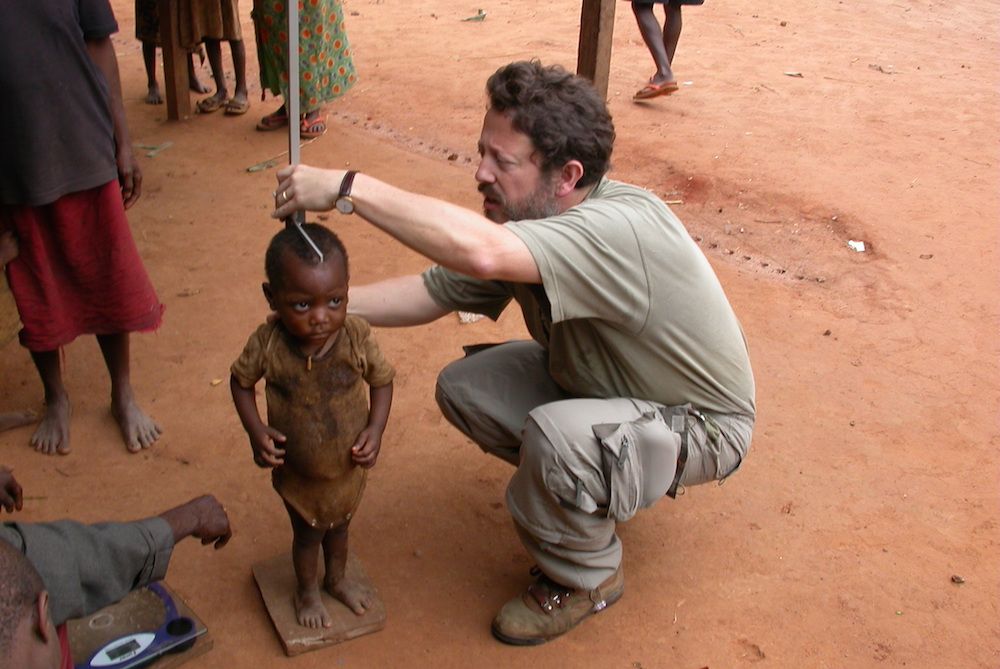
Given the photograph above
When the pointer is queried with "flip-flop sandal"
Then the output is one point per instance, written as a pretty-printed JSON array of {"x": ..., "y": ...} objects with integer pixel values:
[
  {"x": 652, "y": 90},
  {"x": 209, "y": 105},
  {"x": 314, "y": 127},
  {"x": 237, "y": 107},
  {"x": 273, "y": 121}
]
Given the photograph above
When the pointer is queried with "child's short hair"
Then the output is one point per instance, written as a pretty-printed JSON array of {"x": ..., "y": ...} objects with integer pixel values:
[{"x": 290, "y": 239}]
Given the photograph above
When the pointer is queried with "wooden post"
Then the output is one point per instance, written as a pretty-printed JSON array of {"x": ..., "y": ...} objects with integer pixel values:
[
  {"x": 593, "y": 58},
  {"x": 175, "y": 60}
]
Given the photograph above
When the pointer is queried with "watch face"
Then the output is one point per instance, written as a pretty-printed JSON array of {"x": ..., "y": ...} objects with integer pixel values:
[{"x": 345, "y": 205}]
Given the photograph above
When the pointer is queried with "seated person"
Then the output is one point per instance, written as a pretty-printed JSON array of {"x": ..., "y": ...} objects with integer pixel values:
[{"x": 51, "y": 572}]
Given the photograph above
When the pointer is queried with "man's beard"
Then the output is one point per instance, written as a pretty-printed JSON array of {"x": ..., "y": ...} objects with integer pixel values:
[{"x": 538, "y": 204}]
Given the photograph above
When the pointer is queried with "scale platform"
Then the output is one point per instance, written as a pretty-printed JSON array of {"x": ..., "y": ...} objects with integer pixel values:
[
  {"x": 276, "y": 580},
  {"x": 151, "y": 624}
]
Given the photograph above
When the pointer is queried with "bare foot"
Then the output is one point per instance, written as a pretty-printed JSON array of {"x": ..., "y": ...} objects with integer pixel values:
[
  {"x": 153, "y": 96},
  {"x": 138, "y": 430},
  {"x": 309, "y": 609},
  {"x": 354, "y": 594},
  {"x": 52, "y": 435},
  {"x": 9, "y": 421},
  {"x": 196, "y": 85}
]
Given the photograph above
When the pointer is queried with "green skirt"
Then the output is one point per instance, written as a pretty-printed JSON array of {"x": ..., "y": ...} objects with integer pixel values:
[{"x": 326, "y": 69}]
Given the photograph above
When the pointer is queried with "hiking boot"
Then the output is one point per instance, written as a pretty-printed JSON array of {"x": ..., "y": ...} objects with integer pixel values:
[{"x": 548, "y": 609}]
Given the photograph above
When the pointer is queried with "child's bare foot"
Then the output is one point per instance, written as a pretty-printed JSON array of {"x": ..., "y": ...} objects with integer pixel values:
[
  {"x": 153, "y": 96},
  {"x": 138, "y": 430},
  {"x": 195, "y": 84},
  {"x": 52, "y": 434},
  {"x": 354, "y": 594},
  {"x": 8, "y": 421},
  {"x": 309, "y": 609}
]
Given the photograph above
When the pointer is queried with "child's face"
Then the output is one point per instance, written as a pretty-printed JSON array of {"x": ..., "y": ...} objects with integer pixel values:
[{"x": 311, "y": 300}]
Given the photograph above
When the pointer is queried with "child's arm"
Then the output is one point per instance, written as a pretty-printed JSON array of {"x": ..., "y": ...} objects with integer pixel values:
[
  {"x": 366, "y": 448},
  {"x": 262, "y": 436}
]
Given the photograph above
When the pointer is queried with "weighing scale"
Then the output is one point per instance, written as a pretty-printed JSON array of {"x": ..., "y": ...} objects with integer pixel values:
[{"x": 148, "y": 624}]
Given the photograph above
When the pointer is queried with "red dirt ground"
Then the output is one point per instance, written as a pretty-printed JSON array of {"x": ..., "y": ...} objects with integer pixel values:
[{"x": 872, "y": 480}]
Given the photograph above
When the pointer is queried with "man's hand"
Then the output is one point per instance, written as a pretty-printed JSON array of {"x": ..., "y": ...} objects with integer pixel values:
[
  {"x": 364, "y": 453},
  {"x": 129, "y": 176},
  {"x": 265, "y": 452},
  {"x": 11, "y": 497},
  {"x": 304, "y": 188},
  {"x": 202, "y": 517}
]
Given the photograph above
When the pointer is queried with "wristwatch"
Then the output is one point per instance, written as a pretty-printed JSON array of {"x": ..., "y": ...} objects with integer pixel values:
[{"x": 344, "y": 203}]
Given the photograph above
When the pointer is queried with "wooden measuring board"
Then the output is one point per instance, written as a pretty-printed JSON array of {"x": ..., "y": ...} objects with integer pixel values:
[{"x": 276, "y": 581}]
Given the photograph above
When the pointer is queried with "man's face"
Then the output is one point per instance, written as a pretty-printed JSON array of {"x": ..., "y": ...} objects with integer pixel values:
[{"x": 513, "y": 185}]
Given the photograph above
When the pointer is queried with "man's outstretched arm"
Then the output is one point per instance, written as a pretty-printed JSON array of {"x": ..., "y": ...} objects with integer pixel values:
[{"x": 87, "y": 567}]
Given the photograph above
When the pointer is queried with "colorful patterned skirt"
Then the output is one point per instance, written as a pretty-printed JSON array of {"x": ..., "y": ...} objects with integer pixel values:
[{"x": 326, "y": 69}]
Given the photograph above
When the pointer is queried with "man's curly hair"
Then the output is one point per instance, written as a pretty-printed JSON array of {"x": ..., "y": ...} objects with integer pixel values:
[{"x": 562, "y": 113}]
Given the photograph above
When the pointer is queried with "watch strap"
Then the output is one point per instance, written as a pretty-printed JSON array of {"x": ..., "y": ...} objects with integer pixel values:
[{"x": 346, "y": 183}]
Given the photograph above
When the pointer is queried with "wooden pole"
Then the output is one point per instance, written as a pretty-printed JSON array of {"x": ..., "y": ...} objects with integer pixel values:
[
  {"x": 593, "y": 59},
  {"x": 175, "y": 71}
]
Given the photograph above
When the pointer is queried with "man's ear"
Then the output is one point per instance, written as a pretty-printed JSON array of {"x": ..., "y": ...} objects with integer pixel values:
[
  {"x": 42, "y": 617},
  {"x": 569, "y": 176},
  {"x": 268, "y": 295}
]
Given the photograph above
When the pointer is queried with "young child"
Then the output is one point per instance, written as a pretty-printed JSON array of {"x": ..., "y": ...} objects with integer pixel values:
[
  {"x": 661, "y": 44},
  {"x": 320, "y": 437}
]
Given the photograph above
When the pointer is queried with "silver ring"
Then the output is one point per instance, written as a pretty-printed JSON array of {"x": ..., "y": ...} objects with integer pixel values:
[{"x": 284, "y": 194}]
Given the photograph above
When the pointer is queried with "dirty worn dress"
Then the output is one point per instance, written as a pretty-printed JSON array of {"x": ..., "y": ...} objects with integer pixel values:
[{"x": 320, "y": 411}]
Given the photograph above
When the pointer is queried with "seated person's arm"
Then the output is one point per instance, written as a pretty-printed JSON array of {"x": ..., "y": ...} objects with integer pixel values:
[
  {"x": 87, "y": 567},
  {"x": 395, "y": 302}
]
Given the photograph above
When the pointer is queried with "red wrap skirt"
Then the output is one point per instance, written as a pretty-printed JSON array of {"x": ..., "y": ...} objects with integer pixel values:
[{"x": 78, "y": 270}]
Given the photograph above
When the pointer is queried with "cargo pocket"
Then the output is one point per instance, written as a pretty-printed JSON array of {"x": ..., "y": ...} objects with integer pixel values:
[{"x": 639, "y": 459}]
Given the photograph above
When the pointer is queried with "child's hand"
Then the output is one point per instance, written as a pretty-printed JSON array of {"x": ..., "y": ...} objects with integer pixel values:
[
  {"x": 265, "y": 452},
  {"x": 365, "y": 449}
]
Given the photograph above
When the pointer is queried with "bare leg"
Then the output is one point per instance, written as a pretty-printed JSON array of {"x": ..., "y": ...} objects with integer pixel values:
[
  {"x": 194, "y": 83},
  {"x": 52, "y": 435},
  {"x": 672, "y": 30},
  {"x": 153, "y": 96},
  {"x": 353, "y": 593},
  {"x": 214, "y": 49},
  {"x": 309, "y": 609},
  {"x": 655, "y": 41},
  {"x": 138, "y": 430},
  {"x": 239, "y": 69}
]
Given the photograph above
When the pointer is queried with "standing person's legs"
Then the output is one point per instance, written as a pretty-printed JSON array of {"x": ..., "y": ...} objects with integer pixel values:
[
  {"x": 672, "y": 29},
  {"x": 306, "y": 541},
  {"x": 354, "y": 594},
  {"x": 488, "y": 394},
  {"x": 239, "y": 104},
  {"x": 153, "y": 96},
  {"x": 138, "y": 430},
  {"x": 215, "y": 102},
  {"x": 655, "y": 40},
  {"x": 52, "y": 434}
]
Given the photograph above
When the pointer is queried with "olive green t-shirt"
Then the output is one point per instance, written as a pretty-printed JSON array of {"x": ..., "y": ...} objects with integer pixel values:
[{"x": 628, "y": 305}]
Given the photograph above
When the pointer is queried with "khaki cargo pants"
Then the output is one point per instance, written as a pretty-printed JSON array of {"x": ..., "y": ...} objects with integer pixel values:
[{"x": 582, "y": 464}]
